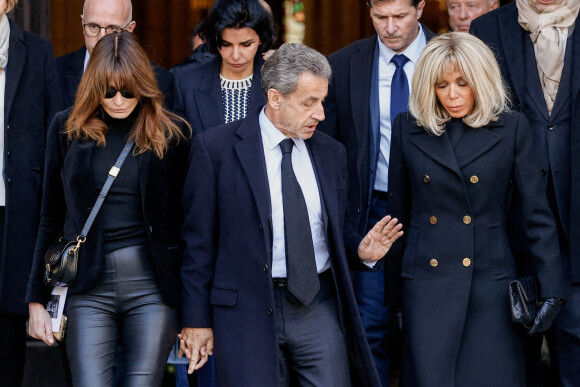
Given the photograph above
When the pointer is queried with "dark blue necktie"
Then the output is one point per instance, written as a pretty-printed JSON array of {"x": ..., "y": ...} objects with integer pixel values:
[
  {"x": 399, "y": 87},
  {"x": 301, "y": 270}
]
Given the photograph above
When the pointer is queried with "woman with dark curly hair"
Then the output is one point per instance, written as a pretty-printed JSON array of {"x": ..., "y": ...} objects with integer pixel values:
[
  {"x": 127, "y": 288},
  {"x": 226, "y": 88}
]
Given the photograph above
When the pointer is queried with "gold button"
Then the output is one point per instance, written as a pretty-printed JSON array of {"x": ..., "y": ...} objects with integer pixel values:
[
  {"x": 466, "y": 262},
  {"x": 433, "y": 220},
  {"x": 467, "y": 219},
  {"x": 426, "y": 179},
  {"x": 474, "y": 179},
  {"x": 433, "y": 263}
]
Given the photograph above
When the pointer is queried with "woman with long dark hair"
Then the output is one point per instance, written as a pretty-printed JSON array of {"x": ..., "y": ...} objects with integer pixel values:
[
  {"x": 127, "y": 286},
  {"x": 226, "y": 88}
]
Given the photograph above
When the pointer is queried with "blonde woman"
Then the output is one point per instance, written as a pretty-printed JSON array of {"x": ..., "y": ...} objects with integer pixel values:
[{"x": 458, "y": 156}]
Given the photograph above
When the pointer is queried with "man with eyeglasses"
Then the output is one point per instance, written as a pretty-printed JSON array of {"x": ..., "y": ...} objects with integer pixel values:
[{"x": 99, "y": 18}]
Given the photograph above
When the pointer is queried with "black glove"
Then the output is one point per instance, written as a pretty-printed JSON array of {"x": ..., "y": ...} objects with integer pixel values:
[{"x": 546, "y": 315}]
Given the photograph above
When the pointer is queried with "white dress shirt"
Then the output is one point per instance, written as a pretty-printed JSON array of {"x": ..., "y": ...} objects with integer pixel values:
[
  {"x": 386, "y": 72},
  {"x": 304, "y": 171}
]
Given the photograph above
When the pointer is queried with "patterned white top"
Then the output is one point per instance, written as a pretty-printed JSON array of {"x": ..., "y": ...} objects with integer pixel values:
[{"x": 235, "y": 97}]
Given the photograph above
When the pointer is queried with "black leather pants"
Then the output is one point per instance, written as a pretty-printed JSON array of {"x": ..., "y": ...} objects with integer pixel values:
[{"x": 125, "y": 306}]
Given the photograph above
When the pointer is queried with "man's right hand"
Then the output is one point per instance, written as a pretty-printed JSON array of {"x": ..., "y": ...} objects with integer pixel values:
[
  {"x": 39, "y": 324},
  {"x": 197, "y": 345}
]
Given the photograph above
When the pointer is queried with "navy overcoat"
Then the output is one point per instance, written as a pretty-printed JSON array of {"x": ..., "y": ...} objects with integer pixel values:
[
  {"x": 31, "y": 99},
  {"x": 457, "y": 261},
  {"x": 226, "y": 270}
]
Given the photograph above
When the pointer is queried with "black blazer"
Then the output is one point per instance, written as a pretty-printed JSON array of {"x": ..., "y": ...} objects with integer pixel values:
[
  {"x": 69, "y": 194},
  {"x": 198, "y": 96},
  {"x": 31, "y": 98},
  {"x": 71, "y": 68},
  {"x": 457, "y": 261}
]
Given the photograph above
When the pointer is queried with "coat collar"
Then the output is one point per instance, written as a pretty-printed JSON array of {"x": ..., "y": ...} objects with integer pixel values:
[
  {"x": 16, "y": 57},
  {"x": 473, "y": 145},
  {"x": 513, "y": 45},
  {"x": 250, "y": 152},
  {"x": 323, "y": 163},
  {"x": 74, "y": 73}
]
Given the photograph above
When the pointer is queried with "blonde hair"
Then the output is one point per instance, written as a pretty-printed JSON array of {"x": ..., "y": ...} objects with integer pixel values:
[
  {"x": 10, "y": 4},
  {"x": 118, "y": 59},
  {"x": 478, "y": 67}
]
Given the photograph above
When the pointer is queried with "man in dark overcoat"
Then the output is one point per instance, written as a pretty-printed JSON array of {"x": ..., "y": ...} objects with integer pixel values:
[
  {"x": 537, "y": 45},
  {"x": 271, "y": 323},
  {"x": 30, "y": 98}
]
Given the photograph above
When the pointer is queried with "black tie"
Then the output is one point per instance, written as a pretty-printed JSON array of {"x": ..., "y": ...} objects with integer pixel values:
[{"x": 300, "y": 263}]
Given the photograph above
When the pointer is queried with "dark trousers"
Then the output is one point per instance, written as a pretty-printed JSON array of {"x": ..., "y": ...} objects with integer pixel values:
[
  {"x": 311, "y": 345},
  {"x": 12, "y": 348},
  {"x": 126, "y": 305},
  {"x": 369, "y": 289}
]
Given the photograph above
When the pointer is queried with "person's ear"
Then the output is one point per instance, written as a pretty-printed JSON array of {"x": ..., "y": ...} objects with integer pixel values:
[{"x": 131, "y": 26}]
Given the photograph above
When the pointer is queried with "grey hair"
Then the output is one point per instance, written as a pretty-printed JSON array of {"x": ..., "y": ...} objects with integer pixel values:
[
  {"x": 282, "y": 70},
  {"x": 130, "y": 8}
]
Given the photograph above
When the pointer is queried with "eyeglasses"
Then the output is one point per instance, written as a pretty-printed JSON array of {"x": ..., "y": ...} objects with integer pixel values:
[
  {"x": 112, "y": 92},
  {"x": 93, "y": 29}
]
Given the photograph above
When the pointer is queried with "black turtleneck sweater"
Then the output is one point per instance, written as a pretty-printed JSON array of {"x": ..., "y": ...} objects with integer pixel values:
[{"x": 122, "y": 212}]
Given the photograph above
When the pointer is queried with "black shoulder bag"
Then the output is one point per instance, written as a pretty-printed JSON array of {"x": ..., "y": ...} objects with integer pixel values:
[{"x": 61, "y": 259}]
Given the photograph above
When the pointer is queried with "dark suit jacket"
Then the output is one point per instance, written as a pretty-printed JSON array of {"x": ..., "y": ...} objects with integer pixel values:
[
  {"x": 31, "y": 98},
  {"x": 452, "y": 205},
  {"x": 557, "y": 140},
  {"x": 70, "y": 193},
  {"x": 198, "y": 96},
  {"x": 226, "y": 270},
  {"x": 71, "y": 68},
  {"x": 349, "y": 117}
]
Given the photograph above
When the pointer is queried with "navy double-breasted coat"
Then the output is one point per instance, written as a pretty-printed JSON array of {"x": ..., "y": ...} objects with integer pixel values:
[{"x": 457, "y": 263}]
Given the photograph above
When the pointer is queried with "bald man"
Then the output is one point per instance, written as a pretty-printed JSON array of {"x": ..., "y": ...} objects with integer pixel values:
[
  {"x": 99, "y": 18},
  {"x": 462, "y": 12}
]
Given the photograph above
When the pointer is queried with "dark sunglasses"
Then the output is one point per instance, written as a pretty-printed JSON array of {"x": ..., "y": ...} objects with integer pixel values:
[{"x": 112, "y": 92}]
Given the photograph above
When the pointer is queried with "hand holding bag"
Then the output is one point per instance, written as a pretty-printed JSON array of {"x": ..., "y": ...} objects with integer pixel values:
[
  {"x": 524, "y": 300},
  {"x": 61, "y": 259}
]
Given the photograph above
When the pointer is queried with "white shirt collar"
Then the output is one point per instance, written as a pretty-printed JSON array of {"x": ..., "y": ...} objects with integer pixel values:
[
  {"x": 272, "y": 136},
  {"x": 87, "y": 57},
  {"x": 413, "y": 52}
]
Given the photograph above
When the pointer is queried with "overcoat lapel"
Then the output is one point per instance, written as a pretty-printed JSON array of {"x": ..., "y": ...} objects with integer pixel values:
[
  {"x": 360, "y": 77},
  {"x": 208, "y": 99},
  {"x": 324, "y": 168},
  {"x": 78, "y": 175},
  {"x": 513, "y": 43},
  {"x": 74, "y": 73},
  {"x": 576, "y": 63},
  {"x": 436, "y": 147},
  {"x": 250, "y": 152},
  {"x": 474, "y": 144},
  {"x": 145, "y": 164},
  {"x": 16, "y": 56}
]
